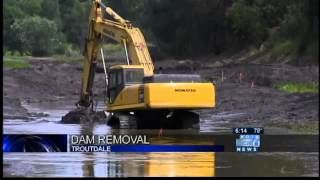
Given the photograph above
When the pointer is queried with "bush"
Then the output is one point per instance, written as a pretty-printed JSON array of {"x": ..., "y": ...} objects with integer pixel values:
[
  {"x": 312, "y": 52},
  {"x": 113, "y": 48},
  {"x": 284, "y": 48},
  {"x": 18, "y": 64},
  {"x": 293, "y": 87},
  {"x": 294, "y": 22},
  {"x": 7, "y": 53},
  {"x": 70, "y": 50},
  {"x": 246, "y": 22},
  {"x": 37, "y": 35},
  {"x": 17, "y": 53}
]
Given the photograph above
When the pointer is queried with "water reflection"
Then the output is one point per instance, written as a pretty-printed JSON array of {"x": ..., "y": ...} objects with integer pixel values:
[
  {"x": 147, "y": 164},
  {"x": 144, "y": 164},
  {"x": 88, "y": 166},
  {"x": 150, "y": 164},
  {"x": 159, "y": 164},
  {"x": 180, "y": 164}
]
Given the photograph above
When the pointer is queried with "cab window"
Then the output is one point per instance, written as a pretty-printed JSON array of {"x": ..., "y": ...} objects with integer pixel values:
[
  {"x": 113, "y": 80},
  {"x": 119, "y": 78},
  {"x": 116, "y": 84},
  {"x": 134, "y": 76}
]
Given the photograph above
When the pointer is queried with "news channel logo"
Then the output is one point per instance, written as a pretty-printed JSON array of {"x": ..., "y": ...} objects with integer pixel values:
[
  {"x": 34, "y": 143},
  {"x": 248, "y": 143}
]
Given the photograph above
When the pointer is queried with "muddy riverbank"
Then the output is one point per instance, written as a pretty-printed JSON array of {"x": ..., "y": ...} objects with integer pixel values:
[
  {"x": 253, "y": 96},
  {"x": 36, "y": 98}
]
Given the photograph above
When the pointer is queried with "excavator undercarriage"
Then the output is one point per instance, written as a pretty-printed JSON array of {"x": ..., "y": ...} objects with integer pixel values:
[{"x": 155, "y": 119}]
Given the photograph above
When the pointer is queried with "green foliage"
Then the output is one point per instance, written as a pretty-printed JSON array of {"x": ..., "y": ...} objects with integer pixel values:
[
  {"x": 253, "y": 50},
  {"x": 68, "y": 59},
  {"x": 113, "y": 48},
  {"x": 70, "y": 50},
  {"x": 74, "y": 16},
  {"x": 28, "y": 35},
  {"x": 312, "y": 52},
  {"x": 284, "y": 48},
  {"x": 50, "y": 9},
  {"x": 42, "y": 27},
  {"x": 293, "y": 87},
  {"x": 12, "y": 12},
  {"x": 17, "y": 64},
  {"x": 180, "y": 28},
  {"x": 245, "y": 20},
  {"x": 30, "y": 7},
  {"x": 294, "y": 22}
]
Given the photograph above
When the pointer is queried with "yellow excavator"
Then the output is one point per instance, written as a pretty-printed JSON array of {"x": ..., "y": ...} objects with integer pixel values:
[{"x": 156, "y": 100}]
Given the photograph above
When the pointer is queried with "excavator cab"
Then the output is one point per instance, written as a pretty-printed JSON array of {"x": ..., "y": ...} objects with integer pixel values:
[{"x": 121, "y": 76}]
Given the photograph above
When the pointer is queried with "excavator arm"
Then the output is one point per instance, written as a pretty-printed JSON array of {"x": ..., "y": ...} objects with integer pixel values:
[
  {"x": 119, "y": 30},
  {"x": 157, "y": 100}
]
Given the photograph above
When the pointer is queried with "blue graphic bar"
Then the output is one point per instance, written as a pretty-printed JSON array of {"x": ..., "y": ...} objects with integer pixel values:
[
  {"x": 146, "y": 148},
  {"x": 167, "y": 148}
]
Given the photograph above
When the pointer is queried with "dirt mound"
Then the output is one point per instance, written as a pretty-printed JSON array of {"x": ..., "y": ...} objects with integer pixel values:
[
  {"x": 266, "y": 104},
  {"x": 46, "y": 80}
]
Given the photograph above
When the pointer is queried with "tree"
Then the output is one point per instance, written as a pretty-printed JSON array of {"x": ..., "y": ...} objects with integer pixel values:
[
  {"x": 180, "y": 28},
  {"x": 30, "y": 7},
  {"x": 75, "y": 21},
  {"x": 246, "y": 21},
  {"x": 51, "y": 10},
  {"x": 37, "y": 35},
  {"x": 11, "y": 13}
]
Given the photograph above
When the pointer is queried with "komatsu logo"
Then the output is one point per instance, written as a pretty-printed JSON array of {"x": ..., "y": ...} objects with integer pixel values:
[{"x": 184, "y": 90}]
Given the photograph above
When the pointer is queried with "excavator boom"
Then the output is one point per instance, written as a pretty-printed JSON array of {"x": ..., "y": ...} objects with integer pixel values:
[{"x": 119, "y": 30}]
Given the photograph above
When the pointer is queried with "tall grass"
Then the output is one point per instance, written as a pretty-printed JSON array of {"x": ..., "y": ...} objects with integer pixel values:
[
  {"x": 293, "y": 87},
  {"x": 16, "y": 63},
  {"x": 284, "y": 48}
]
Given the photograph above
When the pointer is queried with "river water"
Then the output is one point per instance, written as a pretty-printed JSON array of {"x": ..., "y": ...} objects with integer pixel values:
[{"x": 144, "y": 164}]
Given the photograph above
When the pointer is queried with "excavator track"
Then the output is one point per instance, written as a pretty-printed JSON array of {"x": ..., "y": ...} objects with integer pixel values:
[{"x": 155, "y": 119}]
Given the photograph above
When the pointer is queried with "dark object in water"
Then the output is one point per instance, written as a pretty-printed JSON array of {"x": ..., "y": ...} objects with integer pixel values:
[{"x": 78, "y": 116}]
